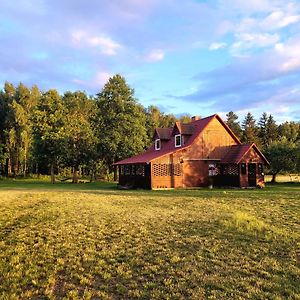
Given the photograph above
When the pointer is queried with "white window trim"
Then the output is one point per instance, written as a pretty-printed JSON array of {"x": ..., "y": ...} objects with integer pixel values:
[
  {"x": 176, "y": 146},
  {"x": 155, "y": 144}
]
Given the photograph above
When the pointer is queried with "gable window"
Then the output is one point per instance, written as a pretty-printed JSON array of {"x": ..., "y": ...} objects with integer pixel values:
[
  {"x": 178, "y": 140},
  {"x": 157, "y": 144}
]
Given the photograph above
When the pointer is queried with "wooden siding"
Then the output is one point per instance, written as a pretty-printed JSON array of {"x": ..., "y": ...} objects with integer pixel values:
[
  {"x": 212, "y": 143},
  {"x": 251, "y": 157},
  {"x": 171, "y": 175},
  {"x": 195, "y": 173}
]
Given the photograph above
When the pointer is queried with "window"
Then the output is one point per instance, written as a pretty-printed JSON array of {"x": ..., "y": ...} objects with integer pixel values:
[
  {"x": 127, "y": 169},
  {"x": 133, "y": 170},
  {"x": 121, "y": 170},
  {"x": 178, "y": 140},
  {"x": 243, "y": 169},
  {"x": 260, "y": 169},
  {"x": 140, "y": 170},
  {"x": 157, "y": 144}
]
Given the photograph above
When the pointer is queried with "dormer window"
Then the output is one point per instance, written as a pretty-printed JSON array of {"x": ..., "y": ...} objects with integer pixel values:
[
  {"x": 178, "y": 141},
  {"x": 157, "y": 144}
]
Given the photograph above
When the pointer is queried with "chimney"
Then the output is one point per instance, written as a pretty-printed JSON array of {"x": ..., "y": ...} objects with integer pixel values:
[{"x": 195, "y": 118}]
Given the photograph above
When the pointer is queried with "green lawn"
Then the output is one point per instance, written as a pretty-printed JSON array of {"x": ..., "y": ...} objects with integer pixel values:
[{"x": 92, "y": 241}]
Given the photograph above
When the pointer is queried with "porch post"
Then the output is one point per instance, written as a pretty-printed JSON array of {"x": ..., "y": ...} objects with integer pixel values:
[{"x": 115, "y": 173}]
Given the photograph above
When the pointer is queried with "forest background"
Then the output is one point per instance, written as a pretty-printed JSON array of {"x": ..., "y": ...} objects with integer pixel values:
[{"x": 49, "y": 133}]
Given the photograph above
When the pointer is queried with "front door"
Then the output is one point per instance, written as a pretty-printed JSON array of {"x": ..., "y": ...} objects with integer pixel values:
[{"x": 252, "y": 175}]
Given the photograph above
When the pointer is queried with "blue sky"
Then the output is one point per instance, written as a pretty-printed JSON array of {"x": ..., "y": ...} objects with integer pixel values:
[{"x": 192, "y": 56}]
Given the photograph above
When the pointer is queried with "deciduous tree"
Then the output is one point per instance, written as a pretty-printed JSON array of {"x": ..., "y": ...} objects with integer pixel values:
[
  {"x": 80, "y": 138},
  {"x": 120, "y": 123},
  {"x": 49, "y": 130},
  {"x": 282, "y": 155}
]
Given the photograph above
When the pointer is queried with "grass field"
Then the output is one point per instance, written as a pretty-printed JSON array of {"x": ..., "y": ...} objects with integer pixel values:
[{"x": 92, "y": 241}]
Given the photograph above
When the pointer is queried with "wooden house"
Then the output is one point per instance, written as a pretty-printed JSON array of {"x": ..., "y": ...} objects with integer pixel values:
[{"x": 197, "y": 154}]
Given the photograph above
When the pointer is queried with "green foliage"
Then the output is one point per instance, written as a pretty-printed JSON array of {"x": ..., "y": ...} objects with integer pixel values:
[
  {"x": 233, "y": 124},
  {"x": 49, "y": 130},
  {"x": 38, "y": 131},
  {"x": 19, "y": 104},
  {"x": 120, "y": 122},
  {"x": 282, "y": 156},
  {"x": 79, "y": 133},
  {"x": 290, "y": 130},
  {"x": 249, "y": 129},
  {"x": 267, "y": 130}
]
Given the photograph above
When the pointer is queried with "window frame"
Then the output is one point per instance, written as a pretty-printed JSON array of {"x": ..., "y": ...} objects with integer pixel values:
[
  {"x": 176, "y": 136},
  {"x": 243, "y": 169},
  {"x": 155, "y": 144},
  {"x": 260, "y": 169}
]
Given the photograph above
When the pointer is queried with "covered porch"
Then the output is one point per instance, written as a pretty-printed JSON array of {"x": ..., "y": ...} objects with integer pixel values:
[
  {"x": 135, "y": 175},
  {"x": 242, "y": 166},
  {"x": 239, "y": 175}
]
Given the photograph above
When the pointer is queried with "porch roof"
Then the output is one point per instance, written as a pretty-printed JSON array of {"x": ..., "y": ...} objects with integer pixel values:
[{"x": 237, "y": 152}]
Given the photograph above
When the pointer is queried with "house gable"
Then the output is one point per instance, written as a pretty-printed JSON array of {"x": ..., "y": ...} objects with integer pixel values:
[
  {"x": 247, "y": 153},
  {"x": 213, "y": 141}
]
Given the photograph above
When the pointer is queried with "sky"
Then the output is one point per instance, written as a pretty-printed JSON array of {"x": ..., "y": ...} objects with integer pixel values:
[{"x": 196, "y": 57}]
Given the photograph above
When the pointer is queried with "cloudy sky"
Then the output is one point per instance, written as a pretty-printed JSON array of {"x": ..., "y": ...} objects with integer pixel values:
[{"x": 192, "y": 56}]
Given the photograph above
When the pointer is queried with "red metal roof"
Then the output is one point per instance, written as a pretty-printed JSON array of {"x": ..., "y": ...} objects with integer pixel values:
[
  {"x": 169, "y": 146},
  {"x": 163, "y": 133},
  {"x": 237, "y": 152}
]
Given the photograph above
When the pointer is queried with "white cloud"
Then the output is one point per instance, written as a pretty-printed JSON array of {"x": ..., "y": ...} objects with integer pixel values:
[
  {"x": 289, "y": 55},
  {"x": 106, "y": 44},
  {"x": 216, "y": 46},
  {"x": 279, "y": 19},
  {"x": 246, "y": 41},
  {"x": 155, "y": 55}
]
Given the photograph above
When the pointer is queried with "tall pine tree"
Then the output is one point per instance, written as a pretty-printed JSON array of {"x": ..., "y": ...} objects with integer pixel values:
[
  {"x": 233, "y": 124},
  {"x": 249, "y": 129}
]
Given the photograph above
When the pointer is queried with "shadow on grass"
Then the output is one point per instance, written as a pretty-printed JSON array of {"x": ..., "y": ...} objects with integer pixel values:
[{"x": 110, "y": 188}]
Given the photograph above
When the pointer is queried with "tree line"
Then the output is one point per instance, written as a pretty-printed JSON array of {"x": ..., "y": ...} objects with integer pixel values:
[
  {"x": 49, "y": 133},
  {"x": 279, "y": 143}
]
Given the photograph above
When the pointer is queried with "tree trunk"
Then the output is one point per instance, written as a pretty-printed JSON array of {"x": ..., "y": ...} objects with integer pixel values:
[
  {"x": 75, "y": 175},
  {"x": 92, "y": 178},
  {"x": 52, "y": 173},
  {"x": 9, "y": 167},
  {"x": 273, "y": 178},
  {"x": 107, "y": 174},
  {"x": 25, "y": 166}
]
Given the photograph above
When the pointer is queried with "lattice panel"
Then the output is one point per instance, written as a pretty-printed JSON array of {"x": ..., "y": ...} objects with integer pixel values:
[
  {"x": 177, "y": 170},
  {"x": 232, "y": 170},
  {"x": 162, "y": 170}
]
